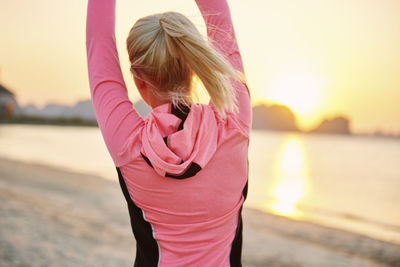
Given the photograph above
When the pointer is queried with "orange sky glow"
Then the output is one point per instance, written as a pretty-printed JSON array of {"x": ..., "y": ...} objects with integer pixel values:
[{"x": 321, "y": 58}]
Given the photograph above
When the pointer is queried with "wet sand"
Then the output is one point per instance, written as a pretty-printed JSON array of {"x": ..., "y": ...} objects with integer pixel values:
[{"x": 54, "y": 217}]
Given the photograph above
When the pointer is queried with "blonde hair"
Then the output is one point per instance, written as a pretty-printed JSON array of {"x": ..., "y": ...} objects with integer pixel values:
[{"x": 167, "y": 51}]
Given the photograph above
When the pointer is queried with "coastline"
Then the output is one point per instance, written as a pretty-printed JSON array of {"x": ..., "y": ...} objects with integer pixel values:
[{"x": 55, "y": 217}]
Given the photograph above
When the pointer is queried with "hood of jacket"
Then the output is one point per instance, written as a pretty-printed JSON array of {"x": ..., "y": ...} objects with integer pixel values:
[{"x": 179, "y": 141}]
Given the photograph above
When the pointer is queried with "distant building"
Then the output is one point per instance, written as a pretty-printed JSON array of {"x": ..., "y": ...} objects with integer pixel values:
[{"x": 8, "y": 103}]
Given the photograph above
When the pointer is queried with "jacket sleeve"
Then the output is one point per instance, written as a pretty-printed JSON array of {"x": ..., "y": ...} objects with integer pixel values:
[
  {"x": 221, "y": 33},
  {"x": 118, "y": 120}
]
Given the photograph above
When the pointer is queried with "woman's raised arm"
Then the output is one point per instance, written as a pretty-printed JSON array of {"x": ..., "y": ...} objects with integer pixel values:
[
  {"x": 115, "y": 114},
  {"x": 221, "y": 33}
]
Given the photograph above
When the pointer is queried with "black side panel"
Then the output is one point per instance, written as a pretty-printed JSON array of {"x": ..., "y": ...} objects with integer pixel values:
[
  {"x": 147, "y": 253},
  {"x": 235, "y": 257},
  {"x": 244, "y": 193}
]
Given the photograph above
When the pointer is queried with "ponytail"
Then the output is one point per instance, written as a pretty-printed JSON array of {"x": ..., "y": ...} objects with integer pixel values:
[{"x": 168, "y": 50}]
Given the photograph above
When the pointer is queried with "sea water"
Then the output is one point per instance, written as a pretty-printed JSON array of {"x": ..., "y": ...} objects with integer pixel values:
[{"x": 346, "y": 182}]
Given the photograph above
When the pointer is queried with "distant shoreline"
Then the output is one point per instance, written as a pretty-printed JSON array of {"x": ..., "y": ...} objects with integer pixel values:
[
  {"x": 81, "y": 122},
  {"x": 49, "y": 121}
]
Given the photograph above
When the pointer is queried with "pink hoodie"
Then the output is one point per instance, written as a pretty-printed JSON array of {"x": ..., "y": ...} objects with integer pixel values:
[{"x": 183, "y": 172}]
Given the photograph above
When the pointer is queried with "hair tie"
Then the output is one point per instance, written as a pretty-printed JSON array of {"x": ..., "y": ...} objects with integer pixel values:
[
  {"x": 160, "y": 21},
  {"x": 171, "y": 31}
]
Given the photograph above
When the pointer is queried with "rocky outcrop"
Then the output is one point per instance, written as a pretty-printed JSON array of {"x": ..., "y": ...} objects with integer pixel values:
[
  {"x": 336, "y": 125},
  {"x": 274, "y": 117}
]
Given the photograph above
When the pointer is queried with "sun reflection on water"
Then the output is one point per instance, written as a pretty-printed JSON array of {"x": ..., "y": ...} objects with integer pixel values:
[{"x": 291, "y": 176}]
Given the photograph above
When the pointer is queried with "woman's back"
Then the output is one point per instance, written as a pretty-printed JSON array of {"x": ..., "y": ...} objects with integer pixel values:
[
  {"x": 182, "y": 170},
  {"x": 192, "y": 220}
]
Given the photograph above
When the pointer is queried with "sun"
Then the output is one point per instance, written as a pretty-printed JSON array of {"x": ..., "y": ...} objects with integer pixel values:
[{"x": 299, "y": 90}]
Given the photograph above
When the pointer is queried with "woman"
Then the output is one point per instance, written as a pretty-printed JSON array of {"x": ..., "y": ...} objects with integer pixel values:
[{"x": 183, "y": 170}]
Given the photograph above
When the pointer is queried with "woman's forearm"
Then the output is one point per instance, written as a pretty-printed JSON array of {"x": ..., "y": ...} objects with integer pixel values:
[
  {"x": 220, "y": 29},
  {"x": 102, "y": 55},
  {"x": 114, "y": 112}
]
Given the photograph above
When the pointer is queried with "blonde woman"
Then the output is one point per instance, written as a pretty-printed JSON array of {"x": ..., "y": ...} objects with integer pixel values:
[{"x": 183, "y": 169}]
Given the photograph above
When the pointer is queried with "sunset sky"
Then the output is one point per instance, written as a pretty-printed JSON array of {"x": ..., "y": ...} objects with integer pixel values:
[{"x": 322, "y": 58}]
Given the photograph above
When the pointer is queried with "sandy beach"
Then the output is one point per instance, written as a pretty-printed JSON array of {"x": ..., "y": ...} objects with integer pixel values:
[{"x": 54, "y": 217}]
